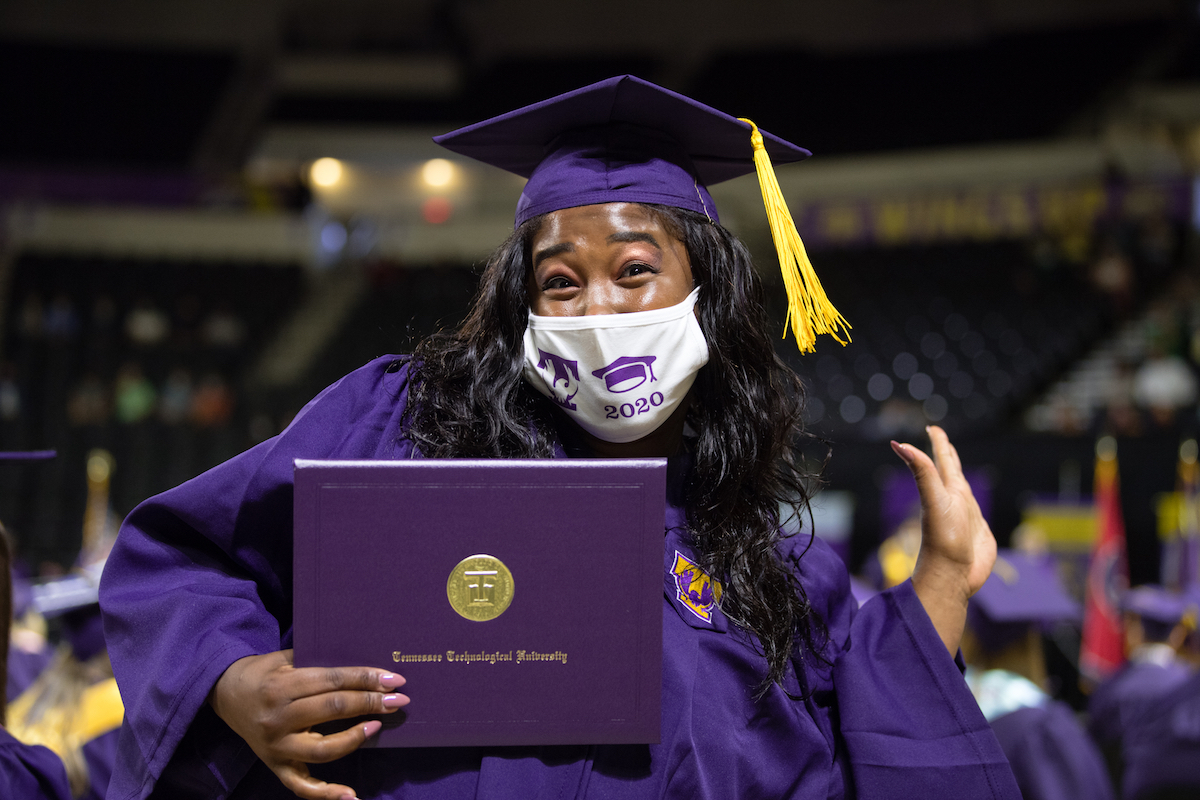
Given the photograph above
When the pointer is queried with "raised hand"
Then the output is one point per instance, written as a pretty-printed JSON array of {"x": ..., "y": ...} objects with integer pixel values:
[
  {"x": 957, "y": 546},
  {"x": 273, "y": 706}
]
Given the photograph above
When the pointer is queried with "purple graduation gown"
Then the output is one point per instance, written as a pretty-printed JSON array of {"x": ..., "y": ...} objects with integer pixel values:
[
  {"x": 24, "y": 668},
  {"x": 201, "y": 576},
  {"x": 1163, "y": 749},
  {"x": 1051, "y": 754},
  {"x": 100, "y": 754},
  {"x": 1117, "y": 704},
  {"x": 30, "y": 772}
]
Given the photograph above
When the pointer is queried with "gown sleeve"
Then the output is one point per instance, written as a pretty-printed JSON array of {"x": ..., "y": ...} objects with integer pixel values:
[
  {"x": 200, "y": 577},
  {"x": 906, "y": 718},
  {"x": 30, "y": 772}
]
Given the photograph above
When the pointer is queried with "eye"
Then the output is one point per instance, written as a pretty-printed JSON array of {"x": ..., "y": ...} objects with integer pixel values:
[
  {"x": 557, "y": 282},
  {"x": 638, "y": 268}
]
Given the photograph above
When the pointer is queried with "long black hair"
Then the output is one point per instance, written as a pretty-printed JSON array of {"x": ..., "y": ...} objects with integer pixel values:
[{"x": 468, "y": 400}]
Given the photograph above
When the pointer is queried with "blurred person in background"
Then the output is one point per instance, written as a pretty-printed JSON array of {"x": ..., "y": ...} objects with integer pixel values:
[
  {"x": 27, "y": 771},
  {"x": 147, "y": 325},
  {"x": 1156, "y": 624},
  {"x": 61, "y": 323},
  {"x": 29, "y": 653},
  {"x": 134, "y": 396},
  {"x": 88, "y": 404},
  {"x": 74, "y": 707},
  {"x": 1164, "y": 385},
  {"x": 1162, "y": 750},
  {"x": 1051, "y": 753},
  {"x": 222, "y": 328},
  {"x": 212, "y": 402}
]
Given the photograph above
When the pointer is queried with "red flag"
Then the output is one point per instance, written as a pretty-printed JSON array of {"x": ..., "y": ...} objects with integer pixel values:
[{"x": 1102, "y": 649}]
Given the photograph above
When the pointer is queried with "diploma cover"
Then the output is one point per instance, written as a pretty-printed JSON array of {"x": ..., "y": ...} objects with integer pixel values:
[{"x": 521, "y": 599}]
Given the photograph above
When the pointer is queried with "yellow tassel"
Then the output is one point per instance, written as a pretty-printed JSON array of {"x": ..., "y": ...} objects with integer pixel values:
[{"x": 809, "y": 310}]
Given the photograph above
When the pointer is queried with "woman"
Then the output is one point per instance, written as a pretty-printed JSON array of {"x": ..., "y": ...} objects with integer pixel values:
[{"x": 781, "y": 689}]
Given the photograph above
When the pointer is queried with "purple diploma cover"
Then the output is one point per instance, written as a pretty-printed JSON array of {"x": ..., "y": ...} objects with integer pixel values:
[{"x": 521, "y": 600}]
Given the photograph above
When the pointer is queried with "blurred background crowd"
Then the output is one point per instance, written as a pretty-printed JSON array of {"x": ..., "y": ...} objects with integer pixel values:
[{"x": 211, "y": 209}]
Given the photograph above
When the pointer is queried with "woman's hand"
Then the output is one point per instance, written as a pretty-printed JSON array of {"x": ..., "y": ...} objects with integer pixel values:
[
  {"x": 273, "y": 706},
  {"x": 957, "y": 546}
]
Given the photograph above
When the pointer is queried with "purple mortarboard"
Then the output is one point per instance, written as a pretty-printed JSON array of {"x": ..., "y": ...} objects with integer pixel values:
[
  {"x": 26, "y": 455},
  {"x": 1021, "y": 591},
  {"x": 625, "y": 140},
  {"x": 75, "y": 600},
  {"x": 620, "y": 140},
  {"x": 1159, "y": 609}
]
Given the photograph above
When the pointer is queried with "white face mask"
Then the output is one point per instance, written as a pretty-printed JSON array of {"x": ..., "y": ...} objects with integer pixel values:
[{"x": 618, "y": 375}]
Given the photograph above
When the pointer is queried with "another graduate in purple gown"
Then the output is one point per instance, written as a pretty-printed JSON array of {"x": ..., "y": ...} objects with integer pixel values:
[
  {"x": 783, "y": 688},
  {"x": 74, "y": 706},
  {"x": 28, "y": 772},
  {"x": 1051, "y": 754},
  {"x": 28, "y": 652},
  {"x": 1162, "y": 750},
  {"x": 1155, "y": 630}
]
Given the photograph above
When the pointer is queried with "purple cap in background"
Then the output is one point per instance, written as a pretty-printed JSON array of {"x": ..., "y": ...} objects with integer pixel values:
[
  {"x": 74, "y": 600},
  {"x": 1021, "y": 591},
  {"x": 1160, "y": 610},
  {"x": 620, "y": 140},
  {"x": 27, "y": 455}
]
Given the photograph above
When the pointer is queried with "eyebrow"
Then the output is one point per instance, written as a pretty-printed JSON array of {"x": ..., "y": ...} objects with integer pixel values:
[
  {"x": 633, "y": 236},
  {"x": 552, "y": 250}
]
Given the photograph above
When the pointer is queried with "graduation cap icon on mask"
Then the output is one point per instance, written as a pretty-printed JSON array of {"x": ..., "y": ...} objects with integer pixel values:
[
  {"x": 625, "y": 139},
  {"x": 627, "y": 373}
]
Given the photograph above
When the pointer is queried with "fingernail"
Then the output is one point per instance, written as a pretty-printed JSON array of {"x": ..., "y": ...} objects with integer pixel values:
[
  {"x": 394, "y": 700},
  {"x": 390, "y": 680},
  {"x": 371, "y": 728}
]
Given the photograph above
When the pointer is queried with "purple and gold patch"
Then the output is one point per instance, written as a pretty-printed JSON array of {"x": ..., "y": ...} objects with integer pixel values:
[{"x": 698, "y": 592}]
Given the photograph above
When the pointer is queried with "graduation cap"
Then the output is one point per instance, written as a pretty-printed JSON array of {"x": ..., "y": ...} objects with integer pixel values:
[
  {"x": 74, "y": 600},
  {"x": 1160, "y": 610},
  {"x": 1022, "y": 591},
  {"x": 27, "y": 455},
  {"x": 627, "y": 140}
]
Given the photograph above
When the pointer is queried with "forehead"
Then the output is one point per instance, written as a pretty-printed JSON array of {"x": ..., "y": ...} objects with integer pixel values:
[{"x": 601, "y": 219}]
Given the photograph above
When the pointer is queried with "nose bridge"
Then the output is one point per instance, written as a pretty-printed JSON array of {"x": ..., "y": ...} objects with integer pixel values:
[{"x": 601, "y": 298}]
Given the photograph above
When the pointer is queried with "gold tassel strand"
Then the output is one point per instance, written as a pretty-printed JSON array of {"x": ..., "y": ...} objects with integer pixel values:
[{"x": 809, "y": 310}]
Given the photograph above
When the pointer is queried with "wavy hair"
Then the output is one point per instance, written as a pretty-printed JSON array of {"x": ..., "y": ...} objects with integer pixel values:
[{"x": 469, "y": 400}]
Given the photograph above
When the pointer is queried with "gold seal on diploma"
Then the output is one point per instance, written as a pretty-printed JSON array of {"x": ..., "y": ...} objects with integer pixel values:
[{"x": 480, "y": 587}]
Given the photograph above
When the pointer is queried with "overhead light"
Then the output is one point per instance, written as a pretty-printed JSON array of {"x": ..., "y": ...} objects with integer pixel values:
[
  {"x": 325, "y": 172},
  {"x": 438, "y": 173}
]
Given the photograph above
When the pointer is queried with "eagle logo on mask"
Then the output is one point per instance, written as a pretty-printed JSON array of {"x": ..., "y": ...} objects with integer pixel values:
[{"x": 566, "y": 372}]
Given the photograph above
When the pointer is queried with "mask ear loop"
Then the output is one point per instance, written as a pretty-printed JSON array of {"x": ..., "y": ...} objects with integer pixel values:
[{"x": 703, "y": 205}]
